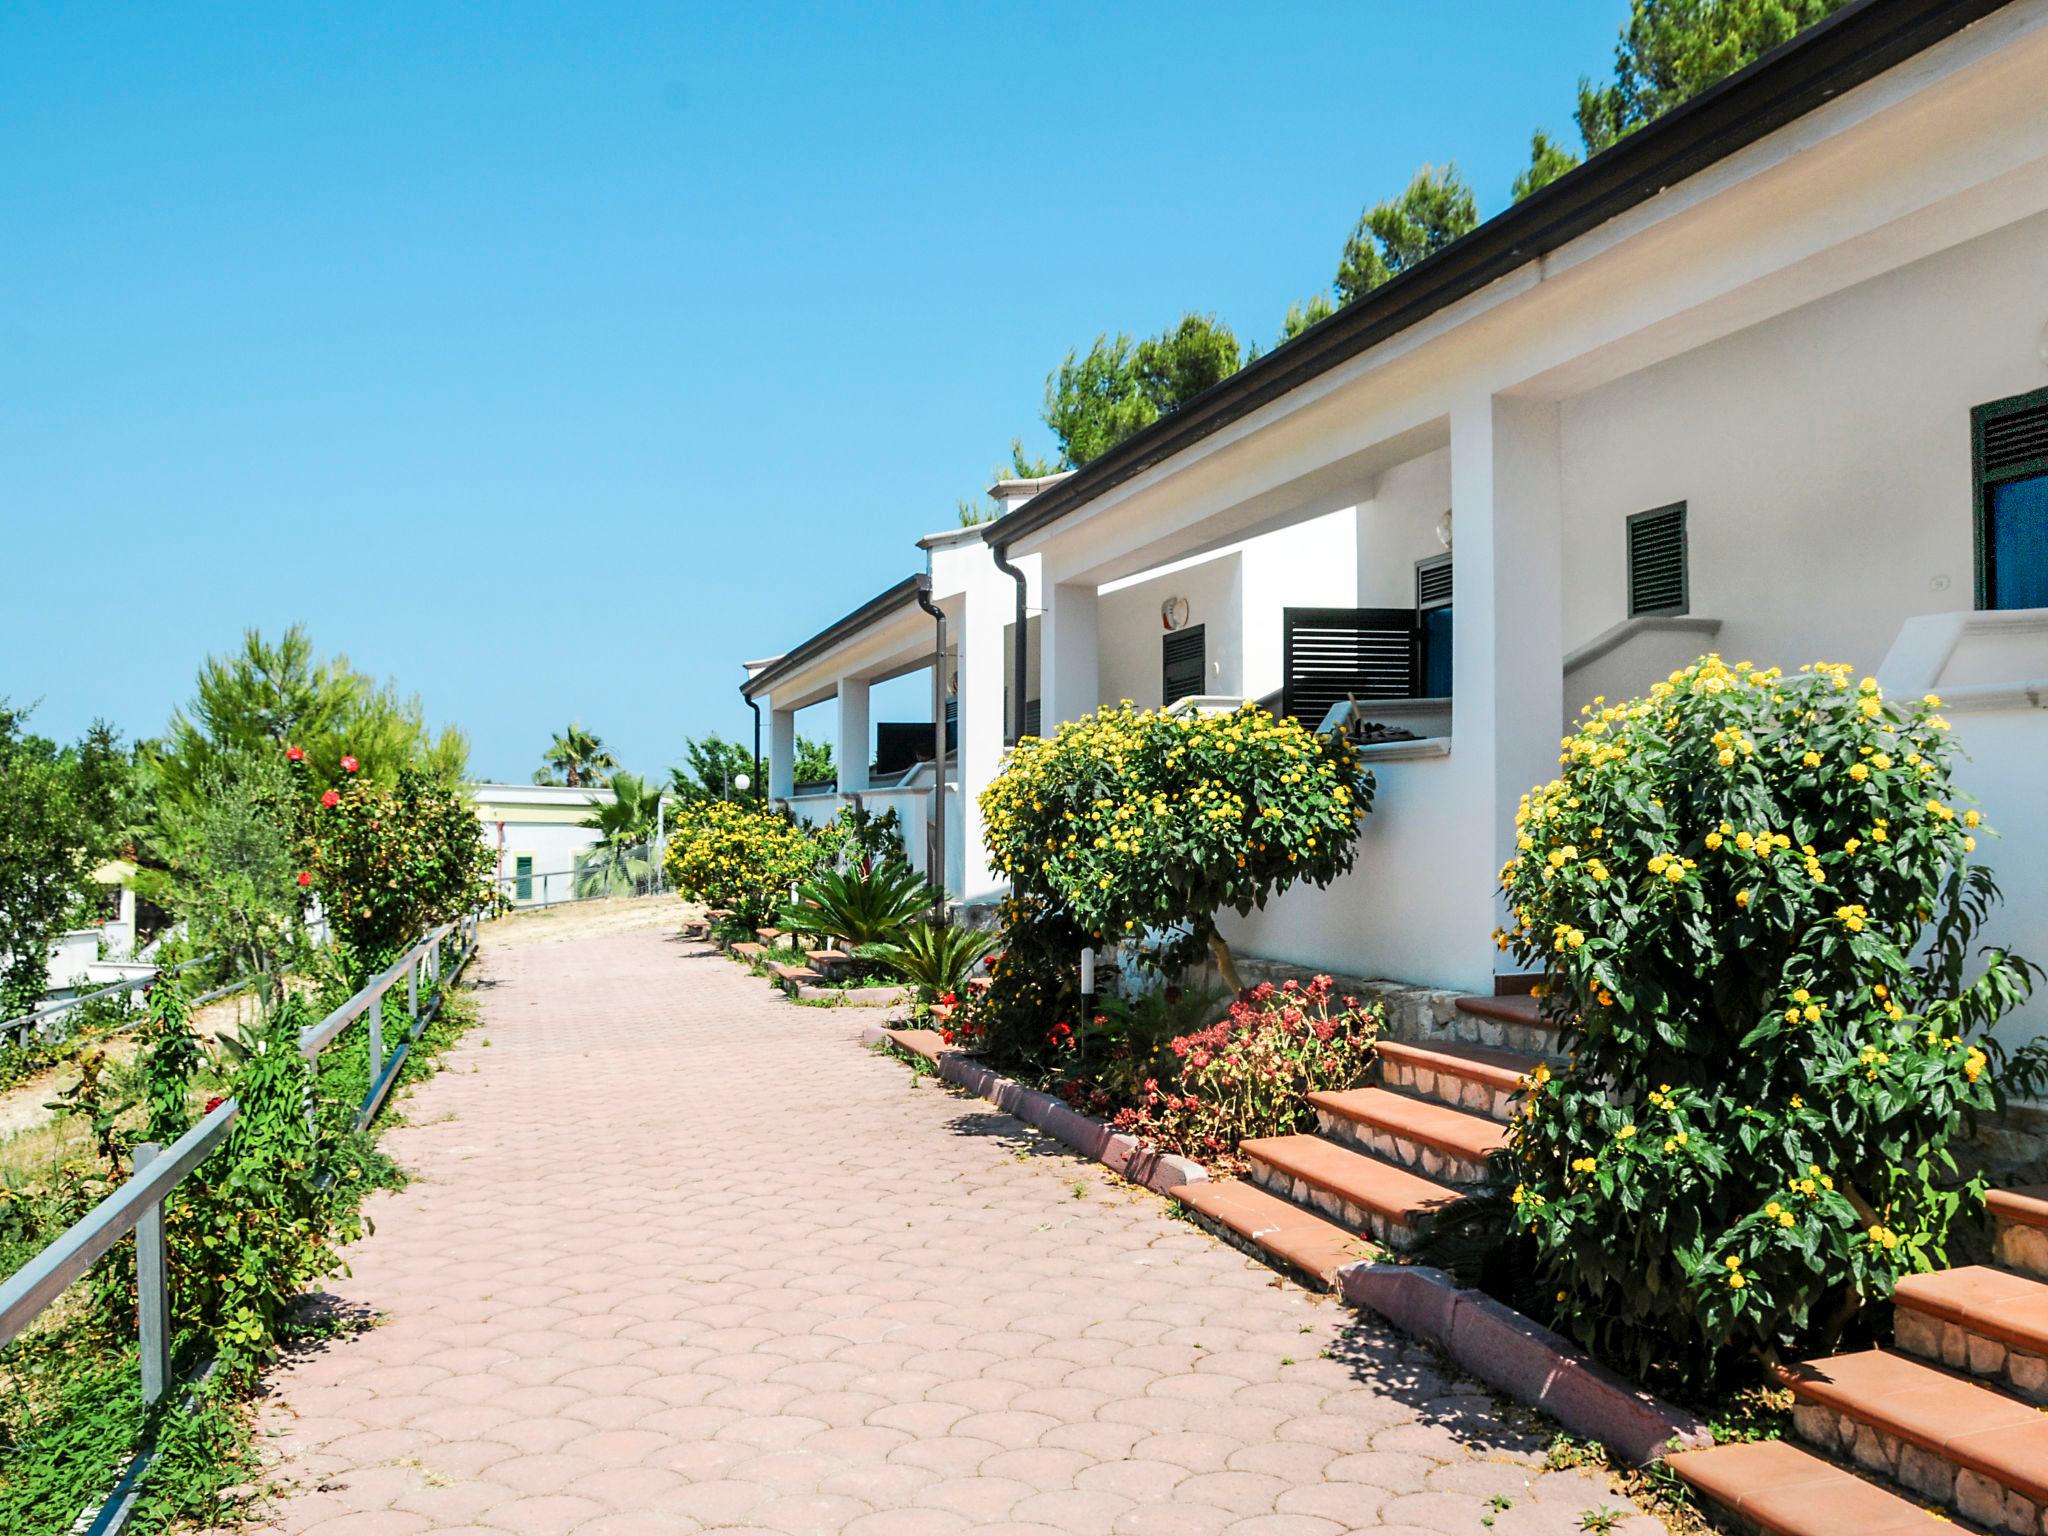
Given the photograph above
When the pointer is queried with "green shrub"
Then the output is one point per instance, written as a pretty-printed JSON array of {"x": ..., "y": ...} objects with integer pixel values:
[
  {"x": 390, "y": 863},
  {"x": 738, "y": 857},
  {"x": 859, "y": 838},
  {"x": 1754, "y": 903},
  {"x": 1132, "y": 822}
]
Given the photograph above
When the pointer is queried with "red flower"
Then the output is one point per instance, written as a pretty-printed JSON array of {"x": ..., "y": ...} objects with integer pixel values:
[
  {"x": 330, "y": 799},
  {"x": 295, "y": 754},
  {"x": 349, "y": 765},
  {"x": 949, "y": 1000},
  {"x": 214, "y": 1103},
  {"x": 305, "y": 878}
]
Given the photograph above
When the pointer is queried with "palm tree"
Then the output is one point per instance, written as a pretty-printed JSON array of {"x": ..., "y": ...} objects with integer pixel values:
[
  {"x": 622, "y": 859},
  {"x": 574, "y": 757}
]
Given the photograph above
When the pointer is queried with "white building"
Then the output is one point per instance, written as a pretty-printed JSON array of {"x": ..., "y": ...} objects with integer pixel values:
[
  {"x": 537, "y": 833},
  {"x": 1769, "y": 377}
]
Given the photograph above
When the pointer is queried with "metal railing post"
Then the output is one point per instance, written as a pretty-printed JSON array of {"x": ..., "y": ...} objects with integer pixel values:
[
  {"x": 152, "y": 1301},
  {"x": 376, "y": 1017},
  {"x": 412, "y": 987}
]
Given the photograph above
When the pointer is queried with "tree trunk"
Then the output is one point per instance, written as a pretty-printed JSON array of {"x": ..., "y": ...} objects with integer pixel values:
[{"x": 1225, "y": 966}]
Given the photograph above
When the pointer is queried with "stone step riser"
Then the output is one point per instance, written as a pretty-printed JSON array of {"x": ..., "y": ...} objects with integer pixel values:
[
  {"x": 1941, "y": 1342},
  {"x": 1469, "y": 1029},
  {"x": 1922, "y": 1472},
  {"x": 2022, "y": 1249},
  {"x": 1377, "y": 1141},
  {"x": 1393, "y": 1233},
  {"x": 1464, "y": 1093}
]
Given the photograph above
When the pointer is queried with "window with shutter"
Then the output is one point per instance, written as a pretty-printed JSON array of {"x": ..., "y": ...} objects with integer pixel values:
[
  {"x": 1184, "y": 661},
  {"x": 1333, "y": 654},
  {"x": 1656, "y": 562},
  {"x": 1433, "y": 625},
  {"x": 2009, "y": 448}
]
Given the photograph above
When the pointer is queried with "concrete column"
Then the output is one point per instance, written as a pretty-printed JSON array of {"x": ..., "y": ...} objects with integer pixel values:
[
  {"x": 1068, "y": 674},
  {"x": 850, "y": 753},
  {"x": 781, "y": 753},
  {"x": 1508, "y": 653},
  {"x": 982, "y": 660}
]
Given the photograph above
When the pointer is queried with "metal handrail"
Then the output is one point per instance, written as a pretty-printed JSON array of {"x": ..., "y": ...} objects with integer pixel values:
[
  {"x": 136, "y": 1206},
  {"x": 27, "y": 1021},
  {"x": 30, "y": 1289}
]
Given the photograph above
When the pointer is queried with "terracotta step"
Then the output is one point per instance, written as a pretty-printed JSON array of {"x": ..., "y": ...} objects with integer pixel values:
[
  {"x": 1434, "y": 1139},
  {"x": 1940, "y": 1435},
  {"x": 1981, "y": 1320},
  {"x": 1363, "y": 1193},
  {"x": 829, "y": 962},
  {"x": 927, "y": 1043},
  {"x": 1487, "y": 1082},
  {"x": 748, "y": 951},
  {"x": 1775, "y": 1486},
  {"x": 2022, "y": 1217},
  {"x": 1513, "y": 1023},
  {"x": 794, "y": 976},
  {"x": 1277, "y": 1229},
  {"x": 770, "y": 936}
]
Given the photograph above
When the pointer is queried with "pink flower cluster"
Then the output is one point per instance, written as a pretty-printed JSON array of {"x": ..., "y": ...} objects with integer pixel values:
[{"x": 1247, "y": 1074}]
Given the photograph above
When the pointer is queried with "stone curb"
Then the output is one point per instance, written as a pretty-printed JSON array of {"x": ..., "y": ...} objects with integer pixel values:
[
  {"x": 1527, "y": 1361},
  {"x": 854, "y": 997},
  {"x": 1121, "y": 1154}
]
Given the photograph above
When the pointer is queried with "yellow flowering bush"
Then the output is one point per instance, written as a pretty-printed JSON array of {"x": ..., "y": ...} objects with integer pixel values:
[
  {"x": 739, "y": 856},
  {"x": 1753, "y": 901},
  {"x": 1128, "y": 820}
]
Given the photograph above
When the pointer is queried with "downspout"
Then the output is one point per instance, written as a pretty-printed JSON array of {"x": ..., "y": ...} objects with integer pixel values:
[
  {"x": 1001, "y": 553},
  {"x": 755, "y": 705},
  {"x": 938, "y": 843}
]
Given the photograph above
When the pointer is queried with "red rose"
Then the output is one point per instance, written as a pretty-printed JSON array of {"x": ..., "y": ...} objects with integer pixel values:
[
  {"x": 330, "y": 799},
  {"x": 214, "y": 1103},
  {"x": 949, "y": 999},
  {"x": 349, "y": 765},
  {"x": 295, "y": 754},
  {"x": 305, "y": 878}
]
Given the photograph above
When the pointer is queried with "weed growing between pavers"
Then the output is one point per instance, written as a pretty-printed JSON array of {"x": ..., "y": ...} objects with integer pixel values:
[{"x": 71, "y": 1411}]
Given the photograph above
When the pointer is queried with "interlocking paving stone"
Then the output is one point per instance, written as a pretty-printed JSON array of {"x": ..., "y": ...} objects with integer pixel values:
[{"x": 678, "y": 1256}]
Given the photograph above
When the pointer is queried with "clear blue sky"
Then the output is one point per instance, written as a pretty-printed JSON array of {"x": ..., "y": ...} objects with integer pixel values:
[{"x": 552, "y": 358}]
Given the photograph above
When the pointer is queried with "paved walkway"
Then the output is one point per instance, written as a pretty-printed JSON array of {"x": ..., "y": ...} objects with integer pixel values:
[{"x": 680, "y": 1256}]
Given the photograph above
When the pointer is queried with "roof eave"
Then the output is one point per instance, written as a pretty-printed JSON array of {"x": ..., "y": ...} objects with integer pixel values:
[{"x": 1856, "y": 44}]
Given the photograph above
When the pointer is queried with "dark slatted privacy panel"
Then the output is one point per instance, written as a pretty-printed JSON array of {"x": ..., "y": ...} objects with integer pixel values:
[
  {"x": 1433, "y": 582},
  {"x": 1185, "y": 658},
  {"x": 1031, "y": 717},
  {"x": 2015, "y": 441},
  {"x": 1331, "y": 654},
  {"x": 1656, "y": 561}
]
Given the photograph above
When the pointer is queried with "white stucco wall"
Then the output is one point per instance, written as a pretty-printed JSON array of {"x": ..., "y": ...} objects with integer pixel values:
[
  {"x": 1824, "y": 457},
  {"x": 1398, "y": 527},
  {"x": 1131, "y": 635}
]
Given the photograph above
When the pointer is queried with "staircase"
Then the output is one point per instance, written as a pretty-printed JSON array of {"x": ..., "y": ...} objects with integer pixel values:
[
  {"x": 1952, "y": 1415},
  {"x": 1384, "y": 1160}
]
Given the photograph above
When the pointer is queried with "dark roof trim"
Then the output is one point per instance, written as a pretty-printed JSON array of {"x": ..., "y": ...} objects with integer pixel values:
[
  {"x": 902, "y": 595},
  {"x": 1856, "y": 44}
]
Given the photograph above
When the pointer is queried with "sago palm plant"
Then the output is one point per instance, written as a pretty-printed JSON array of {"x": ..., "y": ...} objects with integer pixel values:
[
  {"x": 935, "y": 958},
  {"x": 857, "y": 908}
]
